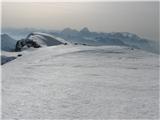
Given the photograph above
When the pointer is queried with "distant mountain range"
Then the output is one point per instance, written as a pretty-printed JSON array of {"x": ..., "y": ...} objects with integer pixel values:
[
  {"x": 87, "y": 37},
  {"x": 113, "y": 38}
]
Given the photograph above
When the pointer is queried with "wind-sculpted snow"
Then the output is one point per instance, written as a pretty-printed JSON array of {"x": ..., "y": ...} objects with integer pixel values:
[
  {"x": 81, "y": 82},
  {"x": 45, "y": 39}
]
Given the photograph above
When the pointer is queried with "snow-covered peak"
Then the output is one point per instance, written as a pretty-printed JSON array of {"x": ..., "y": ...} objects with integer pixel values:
[
  {"x": 85, "y": 30},
  {"x": 69, "y": 31},
  {"x": 45, "y": 39}
]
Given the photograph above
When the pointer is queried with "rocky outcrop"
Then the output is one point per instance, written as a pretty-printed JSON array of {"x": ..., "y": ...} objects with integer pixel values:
[{"x": 26, "y": 42}]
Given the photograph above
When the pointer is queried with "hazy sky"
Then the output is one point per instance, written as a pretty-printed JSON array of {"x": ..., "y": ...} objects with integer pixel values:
[{"x": 135, "y": 17}]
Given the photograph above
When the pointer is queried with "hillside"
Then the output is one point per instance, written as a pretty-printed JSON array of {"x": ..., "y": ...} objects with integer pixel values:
[
  {"x": 7, "y": 43},
  {"x": 81, "y": 82}
]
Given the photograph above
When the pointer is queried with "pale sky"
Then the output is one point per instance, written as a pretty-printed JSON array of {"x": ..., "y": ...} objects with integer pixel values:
[{"x": 141, "y": 18}]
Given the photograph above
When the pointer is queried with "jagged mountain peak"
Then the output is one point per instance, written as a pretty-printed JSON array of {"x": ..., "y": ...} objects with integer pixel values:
[
  {"x": 66, "y": 30},
  {"x": 85, "y": 30}
]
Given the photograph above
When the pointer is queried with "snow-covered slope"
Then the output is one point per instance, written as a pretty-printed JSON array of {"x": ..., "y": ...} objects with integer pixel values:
[
  {"x": 81, "y": 82},
  {"x": 45, "y": 39},
  {"x": 7, "y": 43}
]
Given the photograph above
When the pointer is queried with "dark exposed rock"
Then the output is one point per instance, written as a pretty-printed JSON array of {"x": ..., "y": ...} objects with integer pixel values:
[
  {"x": 26, "y": 42},
  {"x": 5, "y": 59},
  {"x": 19, "y": 55}
]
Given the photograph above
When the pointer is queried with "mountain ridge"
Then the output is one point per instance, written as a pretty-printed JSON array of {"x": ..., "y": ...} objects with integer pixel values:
[{"x": 85, "y": 36}]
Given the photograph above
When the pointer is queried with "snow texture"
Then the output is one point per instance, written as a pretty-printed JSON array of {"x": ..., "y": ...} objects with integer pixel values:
[{"x": 81, "y": 82}]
